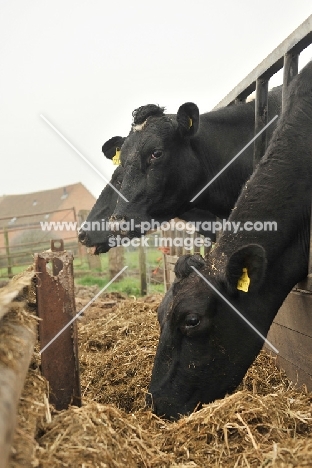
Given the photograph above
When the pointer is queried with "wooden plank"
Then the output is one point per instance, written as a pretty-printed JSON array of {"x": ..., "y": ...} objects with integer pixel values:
[
  {"x": 306, "y": 284},
  {"x": 173, "y": 250},
  {"x": 166, "y": 265},
  {"x": 13, "y": 288},
  {"x": 171, "y": 275},
  {"x": 20, "y": 336},
  {"x": 294, "y": 43},
  {"x": 295, "y": 375},
  {"x": 172, "y": 258},
  {"x": 295, "y": 349},
  {"x": 296, "y": 313},
  {"x": 291, "y": 334},
  {"x": 166, "y": 273},
  {"x": 170, "y": 263}
]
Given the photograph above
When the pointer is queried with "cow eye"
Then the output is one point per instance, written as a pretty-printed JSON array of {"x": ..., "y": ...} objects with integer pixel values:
[
  {"x": 191, "y": 320},
  {"x": 156, "y": 154}
]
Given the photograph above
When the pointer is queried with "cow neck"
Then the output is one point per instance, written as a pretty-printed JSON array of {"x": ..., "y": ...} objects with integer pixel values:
[{"x": 260, "y": 200}]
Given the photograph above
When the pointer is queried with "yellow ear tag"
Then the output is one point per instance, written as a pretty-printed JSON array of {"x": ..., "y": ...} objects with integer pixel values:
[
  {"x": 190, "y": 122},
  {"x": 116, "y": 158},
  {"x": 244, "y": 281}
]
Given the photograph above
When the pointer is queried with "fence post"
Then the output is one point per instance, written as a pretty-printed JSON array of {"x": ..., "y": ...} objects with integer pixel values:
[
  {"x": 7, "y": 249},
  {"x": 261, "y": 118},
  {"x": 116, "y": 261},
  {"x": 196, "y": 248},
  {"x": 291, "y": 65},
  {"x": 142, "y": 266},
  {"x": 56, "y": 309}
]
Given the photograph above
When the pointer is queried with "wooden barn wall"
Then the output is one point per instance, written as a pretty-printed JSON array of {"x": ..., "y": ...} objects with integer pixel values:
[{"x": 291, "y": 334}]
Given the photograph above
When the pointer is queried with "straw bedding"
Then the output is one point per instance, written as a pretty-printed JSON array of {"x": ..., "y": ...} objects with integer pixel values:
[{"x": 265, "y": 423}]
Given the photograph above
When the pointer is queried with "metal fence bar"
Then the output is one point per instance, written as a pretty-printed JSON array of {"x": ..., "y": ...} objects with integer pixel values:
[
  {"x": 291, "y": 62},
  {"x": 293, "y": 44},
  {"x": 261, "y": 118}
]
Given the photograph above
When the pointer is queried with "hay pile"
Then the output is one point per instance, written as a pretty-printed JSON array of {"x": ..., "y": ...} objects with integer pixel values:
[
  {"x": 266, "y": 423},
  {"x": 116, "y": 354}
]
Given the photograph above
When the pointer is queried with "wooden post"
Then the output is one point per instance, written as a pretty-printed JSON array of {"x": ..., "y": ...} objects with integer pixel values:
[
  {"x": 84, "y": 256},
  {"x": 7, "y": 249},
  {"x": 196, "y": 249},
  {"x": 172, "y": 247},
  {"x": 142, "y": 266},
  {"x": 164, "y": 235},
  {"x": 116, "y": 261},
  {"x": 179, "y": 249}
]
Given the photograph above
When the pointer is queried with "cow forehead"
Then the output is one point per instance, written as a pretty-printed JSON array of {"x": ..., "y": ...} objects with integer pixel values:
[
  {"x": 190, "y": 294},
  {"x": 156, "y": 125},
  {"x": 138, "y": 127}
]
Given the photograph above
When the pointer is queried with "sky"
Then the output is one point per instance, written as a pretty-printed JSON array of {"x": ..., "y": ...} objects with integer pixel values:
[{"x": 84, "y": 66}]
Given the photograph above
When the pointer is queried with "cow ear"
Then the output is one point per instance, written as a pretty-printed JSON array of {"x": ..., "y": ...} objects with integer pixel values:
[
  {"x": 188, "y": 119},
  {"x": 246, "y": 268},
  {"x": 112, "y": 146}
]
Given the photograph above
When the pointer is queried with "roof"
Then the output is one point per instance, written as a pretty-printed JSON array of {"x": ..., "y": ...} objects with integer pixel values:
[{"x": 30, "y": 208}]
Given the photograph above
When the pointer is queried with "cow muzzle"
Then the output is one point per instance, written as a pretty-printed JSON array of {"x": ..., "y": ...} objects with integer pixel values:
[{"x": 119, "y": 225}]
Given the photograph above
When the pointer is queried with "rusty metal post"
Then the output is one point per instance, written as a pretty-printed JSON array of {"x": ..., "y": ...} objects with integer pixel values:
[{"x": 56, "y": 308}]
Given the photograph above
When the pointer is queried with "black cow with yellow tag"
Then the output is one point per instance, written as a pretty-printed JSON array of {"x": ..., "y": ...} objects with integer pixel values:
[
  {"x": 169, "y": 158},
  {"x": 216, "y": 316},
  {"x": 96, "y": 232}
]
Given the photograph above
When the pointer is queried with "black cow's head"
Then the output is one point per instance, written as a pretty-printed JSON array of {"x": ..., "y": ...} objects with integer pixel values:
[
  {"x": 205, "y": 348},
  {"x": 156, "y": 155},
  {"x": 95, "y": 231}
]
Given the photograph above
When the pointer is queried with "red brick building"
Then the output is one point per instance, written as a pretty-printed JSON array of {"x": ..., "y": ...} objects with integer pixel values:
[{"x": 21, "y": 215}]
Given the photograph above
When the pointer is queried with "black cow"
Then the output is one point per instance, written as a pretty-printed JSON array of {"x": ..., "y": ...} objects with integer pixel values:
[
  {"x": 169, "y": 158},
  {"x": 205, "y": 347},
  {"x": 95, "y": 231}
]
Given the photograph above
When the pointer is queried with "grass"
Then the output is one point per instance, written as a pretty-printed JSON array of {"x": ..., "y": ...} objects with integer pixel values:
[
  {"x": 14, "y": 269},
  {"x": 132, "y": 260},
  {"x": 129, "y": 284}
]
